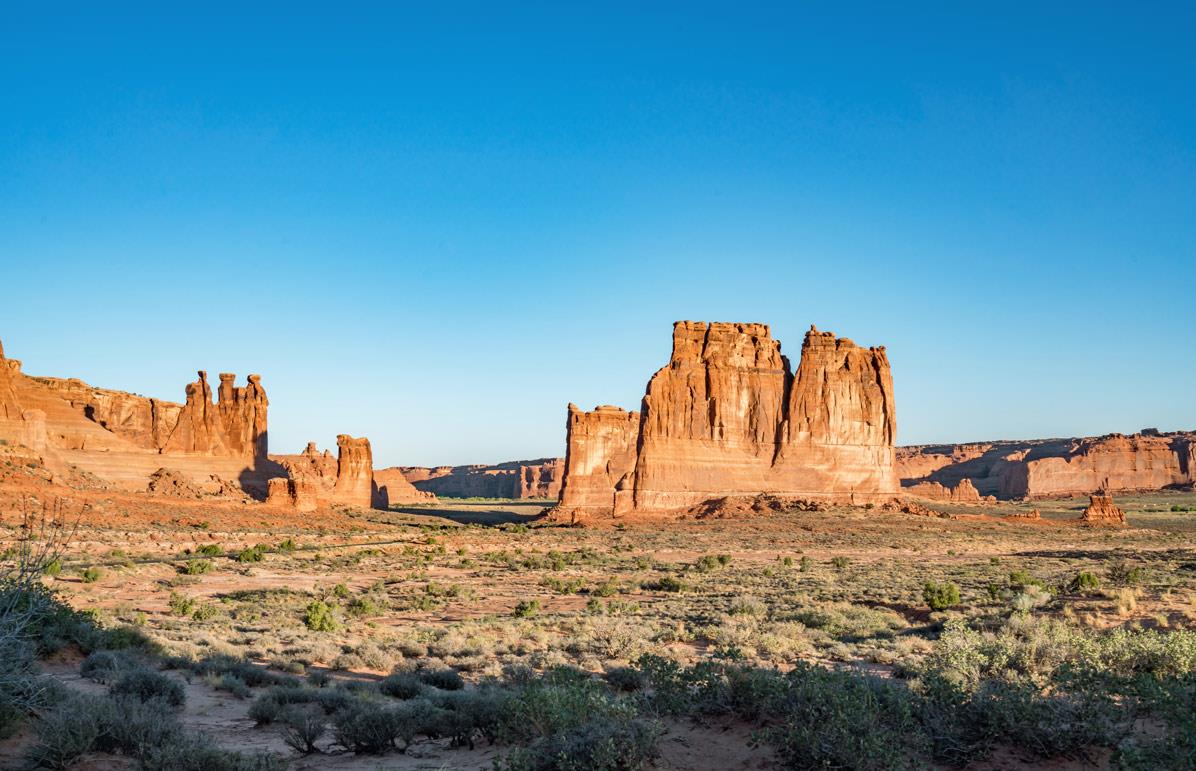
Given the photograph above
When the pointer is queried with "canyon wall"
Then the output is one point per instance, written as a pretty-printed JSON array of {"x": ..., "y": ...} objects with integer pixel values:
[
  {"x": 1149, "y": 460},
  {"x": 123, "y": 439},
  {"x": 727, "y": 417},
  {"x": 539, "y": 478}
]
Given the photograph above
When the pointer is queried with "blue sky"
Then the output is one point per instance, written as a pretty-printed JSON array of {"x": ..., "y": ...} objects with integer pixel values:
[{"x": 437, "y": 226}]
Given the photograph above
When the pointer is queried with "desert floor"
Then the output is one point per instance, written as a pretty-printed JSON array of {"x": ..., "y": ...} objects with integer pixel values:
[{"x": 482, "y": 588}]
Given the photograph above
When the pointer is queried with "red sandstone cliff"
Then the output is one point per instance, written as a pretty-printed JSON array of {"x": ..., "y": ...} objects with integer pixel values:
[
  {"x": 123, "y": 439},
  {"x": 726, "y": 417},
  {"x": 1149, "y": 460},
  {"x": 314, "y": 479}
]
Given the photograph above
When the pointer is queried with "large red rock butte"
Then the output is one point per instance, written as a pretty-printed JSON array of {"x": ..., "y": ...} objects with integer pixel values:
[
  {"x": 122, "y": 439},
  {"x": 539, "y": 478},
  {"x": 727, "y": 417},
  {"x": 1045, "y": 468}
]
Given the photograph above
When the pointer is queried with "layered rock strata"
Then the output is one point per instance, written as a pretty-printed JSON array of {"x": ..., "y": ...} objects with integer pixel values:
[
  {"x": 121, "y": 438},
  {"x": 727, "y": 417},
  {"x": 539, "y": 478},
  {"x": 963, "y": 492},
  {"x": 1049, "y": 468},
  {"x": 1102, "y": 510},
  {"x": 316, "y": 480}
]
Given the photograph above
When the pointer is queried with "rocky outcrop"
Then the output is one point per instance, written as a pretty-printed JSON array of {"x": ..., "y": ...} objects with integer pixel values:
[
  {"x": 726, "y": 417},
  {"x": 397, "y": 490},
  {"x": 347, "y": 480},
  {"x": 1103, "y": 511},
  {"x": 964, "y": 492},
  {"x": 121, "y": 439},
  {"x": 1149, "y": 460},
  {"x": 600, "y": 455},
  {"x": 302, "y": 495},
  {"x": 539, "y": 478}
]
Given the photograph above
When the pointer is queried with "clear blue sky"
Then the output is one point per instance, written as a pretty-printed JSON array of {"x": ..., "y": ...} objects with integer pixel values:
[{"x": 437, "y": 224}]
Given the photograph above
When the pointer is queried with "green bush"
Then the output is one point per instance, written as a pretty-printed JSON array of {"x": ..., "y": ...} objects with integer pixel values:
[
  {"x": 1084, "y": 581},
  {"x": 526, "y": 608},
  {"x": 251, "y": 554},
  {"x": 146, "y": 684},
  {"x": 210, "y": 550},
  {"x": 401, "y": 686},
  {"x": 103, "y": 665},
  {"x": 302, "y": 726},
  {"x": 839, "y": 563},
  {"x": 180, "y": 605},
  {"x": 320, "y": 617},
  {"x": 940, "y": 596},
  {"x": 374, "y": 729},
  {"x": 195, "y": 567},
  {"x": 52, "y": 568},
  {"x": 444, "y": 679},
  {"x": 91, "y": 575}
]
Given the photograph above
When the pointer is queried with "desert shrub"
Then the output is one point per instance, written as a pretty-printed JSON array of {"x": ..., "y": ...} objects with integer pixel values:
[
  {"x": 401, "y": 686},
  {"x": 66, "y": 732},
  {"x": 1084, "y": 581},
  {"x": 624, "y": 678},
  {"x": 302, "y": 726},
  {"x": 180, "y": 604},
  {"x": 288, "y": 545},
  {"x": 146, "y": 684},
  {"x": 373, "y": 729},
  {"x": 1021, "y": 579},
  {"x": 195, "y": 567},
  {"x": 195, "y": 752},
  {"x": 839, "y": 563},
  {"x": 91, "y": 574},
  {"x": 709, "y": 562},
  {"x": 205, "y": 612},
  {"x": 251, "y": 554},
  {"x": 526, "y": 608},
  {"x": 602, "y": 745},
  {"x": 363, "y": 606},
  {"x": 320, "y": 617},
  {"x": 667, "y": 584},
  {"x": 53, "y": 568},
  {"x": 1124, "y": 574},
  {"x": 444, "y": 679},
  {"x": 340, "y": 591},
  {"x": 940, "y": 596},
  {"x": 234, "y": 685},
  {"x": 264, "y": 709},
  {"x": 210, "y": 550},
  {"x": 103, "y": 665}
]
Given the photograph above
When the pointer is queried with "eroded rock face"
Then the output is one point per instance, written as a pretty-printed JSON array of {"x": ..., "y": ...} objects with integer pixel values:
[
  {"x": 1103, "y": 511},
  {"x": 964, "y": 492},
  {"x": 397, "y": 490},
  {"x": 299, "y": 494},
  {"x": 354, "y": 471},
  {"x": 600, "y": 457},
  {"x": 539, "y": 478},
  {"x": 121, "y": 439},
  {"x": 727, "y": 417},
  {"x": 1047, "y": 468}
]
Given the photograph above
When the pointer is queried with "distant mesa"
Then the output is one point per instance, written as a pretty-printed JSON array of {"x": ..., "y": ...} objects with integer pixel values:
[
  {"x": 1055, "y": 468},
  {"x": 727, "y": 417},
  {"x": 539, "y": 478}
]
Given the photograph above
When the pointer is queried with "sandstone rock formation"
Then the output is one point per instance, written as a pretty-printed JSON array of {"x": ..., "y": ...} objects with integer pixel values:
[
  {"x": 600, "y": 456},
  {"x": 964, "y": 492},
  {"x": 539, "y": 478},
  {"x": 302, "y": 495},
  {"x": 313, "y": 476},
  {"x": 397, "y": 490},
  {"x": 1148, "y": 460},
  {"x": 122, "y": 439},
  {"x": 727, "y": 418},
  {"x": 1102, "y": 511}
]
